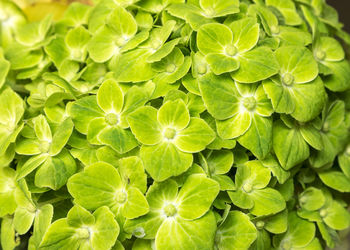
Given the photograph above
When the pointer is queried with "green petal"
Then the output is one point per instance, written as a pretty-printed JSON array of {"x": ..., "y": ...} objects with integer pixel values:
[
  {"x": 196, "y": 196},
  {"x": 235, "y": 126},
  {"x": 299, "y": 234},
  {"x": 217, "y": 8},
  {"x": 55, "y": 171},
  {"x": 96, "y": 186},
  {"x": 61, "y": 137},
  {"x": 258, "y": 138},
  {"x": 289, "y": 145},
  {"x": 144, "y": 125},
  {"x": 132, "y": 172},
  {"x": 256, "y": 65},
  {"x": 106, "y": 229},
  {"x": 42, "y": 129},
  {"x": 78, "y": 216},
  {"x": 328, "y": 49},
  {"x": 132, "y": 67},
  {"x": 28, "y": 147},
  {"x": 288, "y": 10},
  {"x": 136, "y": 204},
  {"x": 195, "y": 137},
  {"x": 245, "y": 34},
  {"x": 83, "y": 111},
  {"x": 220, "y": 161},
  {"x": 110, "y": 97},
  {"x": 122, "y": 23},
  {"x": 121, "y": 140},
  {"x": 174, "y": 114},
  {"x": 31, "y": 164},
  {"x": 165, "y": 160},
  {"x": 281, "y": 97},
  {"x": 220, "y": 63},
  {"x": 312, "y": 199},
  {"x": 101, "y": 47},
  {"x": 220, "y": 96},
  {"x": 267, "y": 201},
  {"x": 337, "y": 217},
  {"x": 236, "y": 232},
  {"x": 213, "y": 38},
  {"x": 309, "y": 100},
  {"x": 187, "y": 234},
  {"x": 297, "y": 61},
  {"x": 336, "y": 180},
  {"x": 340, "y": 77}
]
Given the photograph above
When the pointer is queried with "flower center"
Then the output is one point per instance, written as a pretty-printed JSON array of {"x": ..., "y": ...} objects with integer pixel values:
[
  {"x": 169, "y": 133},
  {"x": 170, "y": 68},
  {"x": 260, "y": 225},
  {"x": 83, "y": 233},
  {"x": 275, "y": 29},
  {"x": 323, "y": 213},
  {"x": 156, "y": 44},
  {"x": 170, "y": 210},
  {"x": 139, "y": 232},
  {"x": 121, "y": 196},
  {"x": 320, "y": 55},
  {"x": 112, "y": 119},
  {"x": 325, "y": 127},
  {"x": 347, "y": 150},
  {"x": 249, "y": 103},
  {"x": 288, "y": 79},
  {"x": 231, "y": 50},
  {"x": 44, "y": 146},
  {"x": 247, "y": 187},
  {"x": 202, "y": 69}
]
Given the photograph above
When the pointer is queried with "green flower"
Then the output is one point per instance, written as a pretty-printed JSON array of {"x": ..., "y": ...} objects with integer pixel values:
[
  {"x": 232, "y": 49},
  {"x": 55, "y": 164},
  {"x": 103, "y": 118},
  {"x": 252, "y": 192},
  {"x": 179, "y": 219},
  {"x": 80, "y": 229},
  {"x": 101, "y": 184},
  {"x": 169, "y": 137},
  {"x": 296, "y": 90},
  {"x": 241, "y": 111}
]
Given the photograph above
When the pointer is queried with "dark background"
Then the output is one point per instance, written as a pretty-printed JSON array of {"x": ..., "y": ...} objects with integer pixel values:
[{"x": 343, "y": 8}]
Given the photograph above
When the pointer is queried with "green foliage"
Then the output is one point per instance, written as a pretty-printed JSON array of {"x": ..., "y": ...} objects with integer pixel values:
[{"x": 173, "y": 124}]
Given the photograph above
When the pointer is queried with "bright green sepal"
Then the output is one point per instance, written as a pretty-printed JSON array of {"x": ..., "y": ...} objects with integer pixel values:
[
  {"x": 41, "y": 223},
  {"x": 144, "y": 125},
  {"x": 258, "y": 138},
  {"x": 83, "y": 111},
  {"x": 312, "y": 199},
  {"x": 336, "y": 180},
  {"x": 236, "y": 232},
  {"x": 256, "y": 65},
  {"x": 174, "y": 114},
  {"x": 195, "y": 137},
  {"x": 289, "y": 145},
  {"x": 4, "y": 69},
  {"x": 165, "y": 154},
  {"x": 55, "y": 171},
  {"x": 288, "y": 10},
  {"x": 90, "y": 191},
  {"x": 33, "y": 33},
  {"x": 13, "y": 110},
  {"x": 7, "y": 194},
  {"x": 251, "y": 192},
  {"x": 176, "y": 234},
  {"x": 196, "y": 196},
  {"x": 337, "y": 81},
  {"x": 299, "y": 234},
  {"x": 217, "y": 8},
  {"x": 98, "y": 230}
]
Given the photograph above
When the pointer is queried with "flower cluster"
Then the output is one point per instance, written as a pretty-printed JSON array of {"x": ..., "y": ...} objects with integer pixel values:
[{"x": 173, "y": 124}]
